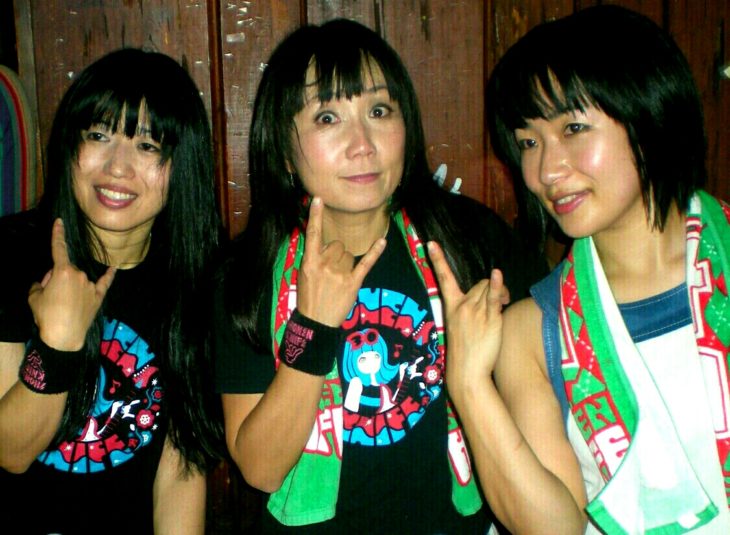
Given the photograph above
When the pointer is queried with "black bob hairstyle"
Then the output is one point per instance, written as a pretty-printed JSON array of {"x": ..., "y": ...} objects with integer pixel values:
[
  {"x": 623, "y": 64},
  {"x": 119, "y": 90}
]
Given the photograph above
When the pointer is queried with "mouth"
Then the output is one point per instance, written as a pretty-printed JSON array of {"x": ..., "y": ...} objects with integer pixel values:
[
  {"x": 364, "y": 178},
  {"x": 116, "y": 195},
  {"x": 567, "y": 203},
  {"x": 112, "y": 198}
]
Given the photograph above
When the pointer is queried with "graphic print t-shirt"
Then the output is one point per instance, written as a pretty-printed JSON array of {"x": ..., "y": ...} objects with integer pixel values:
[
  {"x": 395, "y": 470},
  {"x": 101, "y": 482}
]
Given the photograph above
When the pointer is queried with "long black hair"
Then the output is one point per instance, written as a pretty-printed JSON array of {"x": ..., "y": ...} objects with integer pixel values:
[
  {"x": 344, "y": 54},
  {"x": 623, "y": 64},
  {"x": 114, "y": 91}
]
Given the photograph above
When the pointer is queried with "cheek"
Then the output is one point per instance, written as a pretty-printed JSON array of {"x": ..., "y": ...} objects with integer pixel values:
[
  {"x": 395, "y": 144},
  {"x": 313, "y": 153},
  {"x": 597, "y": 157}
]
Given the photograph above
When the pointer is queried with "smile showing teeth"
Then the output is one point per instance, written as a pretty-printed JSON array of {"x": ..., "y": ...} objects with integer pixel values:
[
  {"x": 565, "y": 200},
  {"x": 116, "y": 195}
]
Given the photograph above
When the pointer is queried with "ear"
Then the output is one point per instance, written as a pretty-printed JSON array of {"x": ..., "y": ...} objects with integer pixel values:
[{"x": 290, "y": 168}]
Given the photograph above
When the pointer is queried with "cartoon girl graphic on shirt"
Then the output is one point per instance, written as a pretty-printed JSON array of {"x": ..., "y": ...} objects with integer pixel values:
[{"x": 368, "y": 372}]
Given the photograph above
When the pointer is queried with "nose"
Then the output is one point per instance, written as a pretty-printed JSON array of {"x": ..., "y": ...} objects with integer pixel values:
[
  {"x": 554, "y": 162},
  {"x": 119, "y": 163},
  {"x": 360, "y": 142}
]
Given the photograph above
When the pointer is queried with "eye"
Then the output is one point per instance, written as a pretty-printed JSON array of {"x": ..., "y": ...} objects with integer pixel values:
[
  {"x": 381, "y": 110},
  {"x": 526, "y": 143},
  {"x": 146, "y": 146},
  {"x": 95, "y": 135},
  {"x": 576, "y": 128},
  {"x": 325, "y": 117}
]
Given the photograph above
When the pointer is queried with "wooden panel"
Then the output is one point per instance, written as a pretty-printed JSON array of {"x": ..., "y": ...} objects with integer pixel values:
[
  {"x": 441, "y": 44},
  {"x": 250, "y": 31}
]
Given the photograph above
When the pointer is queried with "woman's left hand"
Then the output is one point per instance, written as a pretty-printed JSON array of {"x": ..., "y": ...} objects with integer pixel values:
[{"x": 473, "y": 321}]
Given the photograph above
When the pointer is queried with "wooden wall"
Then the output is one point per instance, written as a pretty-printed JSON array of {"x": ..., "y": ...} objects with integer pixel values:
[{"x": 449, "y": 47}]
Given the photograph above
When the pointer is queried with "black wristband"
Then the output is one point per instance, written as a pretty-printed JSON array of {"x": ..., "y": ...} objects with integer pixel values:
[
  {"x": 46, "y": 370},
  {"x": 309, "y": 346}
]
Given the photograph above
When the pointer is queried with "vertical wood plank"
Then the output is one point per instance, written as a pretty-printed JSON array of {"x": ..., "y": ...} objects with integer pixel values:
[
  {"x": 441, "y": 44},
  {"x": 250, "y": 31}
]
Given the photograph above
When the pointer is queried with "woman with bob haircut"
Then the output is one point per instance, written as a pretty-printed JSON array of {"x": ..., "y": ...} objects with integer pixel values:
[
  {"x": 341, "y": 201},
  {"x": 608, "y": 412},
  {"x": 107, "y": 418}
]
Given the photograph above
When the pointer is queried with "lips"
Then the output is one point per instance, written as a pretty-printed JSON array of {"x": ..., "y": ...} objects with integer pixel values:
[
  {"x": 364, "y": 178},
  {"x": 564, "y": 204},
  {"x": 114, "y": 198}
]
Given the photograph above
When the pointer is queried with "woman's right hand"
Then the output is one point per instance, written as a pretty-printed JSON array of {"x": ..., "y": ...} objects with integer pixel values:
[
  {"x": 473, "y": 322},
  {"x": 327, "y": 283},
  {"x": 65, "y": 302}
]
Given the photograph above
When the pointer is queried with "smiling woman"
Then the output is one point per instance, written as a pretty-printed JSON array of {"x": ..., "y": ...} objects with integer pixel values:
[
  {"x": 600, "y": 404},
  {"x": 121, "y": 184},
  {"x": 104, "y": 377}
]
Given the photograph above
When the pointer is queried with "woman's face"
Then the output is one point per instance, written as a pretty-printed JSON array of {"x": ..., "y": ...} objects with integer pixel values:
[
  {"x": 118, "y": 181},
  {"x": 350, "y": 152},
  {"x": 581, "y": 167}
]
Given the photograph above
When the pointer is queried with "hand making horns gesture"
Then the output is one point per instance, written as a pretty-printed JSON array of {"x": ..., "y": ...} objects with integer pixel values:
[
  {"x": 65, "y": 302},
  {"x": 473, "y": 321},
  {"x": 328, "y": 283}
]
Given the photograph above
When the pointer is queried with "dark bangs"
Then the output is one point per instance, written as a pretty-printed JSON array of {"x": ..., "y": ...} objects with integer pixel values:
[
  {"x": 128, "y": 114},
  {"x": 345, "y": 75}
]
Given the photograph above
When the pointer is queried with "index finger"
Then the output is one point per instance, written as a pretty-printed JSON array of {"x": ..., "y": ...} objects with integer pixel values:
[
  {"x": 444, "y": 275},
  {"x": 313, "y": 241},
  {"x": 59, "y": 250}
]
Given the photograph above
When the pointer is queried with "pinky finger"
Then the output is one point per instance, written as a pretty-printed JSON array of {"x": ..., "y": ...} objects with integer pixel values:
[
  {"x": 367, "y": 262},
  {"x": 105, "y": 282}
]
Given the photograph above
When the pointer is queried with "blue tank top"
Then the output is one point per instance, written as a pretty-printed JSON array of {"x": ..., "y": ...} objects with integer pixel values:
[{"x": 645, "y": 319}]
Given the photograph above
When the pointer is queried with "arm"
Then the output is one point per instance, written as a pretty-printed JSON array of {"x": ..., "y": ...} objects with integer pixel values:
[
  {"x": 28, "y": 421},
  {"x": 64, "y": 304},
  {"x": 178, "y": 497},
  {"x": 526, "y": 466},
  {"x": 266, "y": 433}
]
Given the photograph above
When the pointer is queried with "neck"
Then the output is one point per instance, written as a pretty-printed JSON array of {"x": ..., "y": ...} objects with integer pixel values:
[
  {"x": 357, "y": 232},
  {"x": 124, "y": 250},
  {"x": 640, "y": 261}
]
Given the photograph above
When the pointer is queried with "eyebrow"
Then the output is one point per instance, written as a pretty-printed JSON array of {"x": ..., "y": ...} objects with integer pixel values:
[{"x": 375, "y": 89}]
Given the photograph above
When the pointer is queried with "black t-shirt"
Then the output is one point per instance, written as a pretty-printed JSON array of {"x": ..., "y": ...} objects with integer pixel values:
[
  {"x": 102, "y": 481},
  {"x": 395, "y": 466}
]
